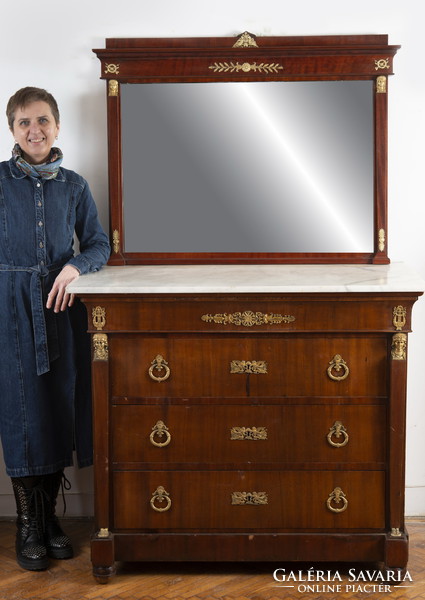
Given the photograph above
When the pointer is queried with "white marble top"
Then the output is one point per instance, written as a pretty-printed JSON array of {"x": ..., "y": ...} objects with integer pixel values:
[{"x": 186, "y": 279}]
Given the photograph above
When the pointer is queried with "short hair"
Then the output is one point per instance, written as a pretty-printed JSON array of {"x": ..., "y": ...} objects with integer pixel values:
[{"x": 27, "y": 95}]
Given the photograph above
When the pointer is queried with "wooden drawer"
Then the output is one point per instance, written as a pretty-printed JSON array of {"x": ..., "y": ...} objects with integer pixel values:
[
  {"x": 223, "y": 500},
  {"x": 237, "y": 434},
  {"x": 290, "y": 365},
  {"x": 251, "y": 313}
]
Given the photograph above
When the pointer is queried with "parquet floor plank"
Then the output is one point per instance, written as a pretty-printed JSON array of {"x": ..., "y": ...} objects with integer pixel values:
[{"x": 73, "y": 580}]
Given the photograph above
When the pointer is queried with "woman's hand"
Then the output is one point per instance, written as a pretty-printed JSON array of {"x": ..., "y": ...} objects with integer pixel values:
[{"x": 58, "y": 297}]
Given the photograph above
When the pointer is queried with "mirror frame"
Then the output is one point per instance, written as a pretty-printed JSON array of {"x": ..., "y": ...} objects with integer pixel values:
[{"x": 246, "y": 58}]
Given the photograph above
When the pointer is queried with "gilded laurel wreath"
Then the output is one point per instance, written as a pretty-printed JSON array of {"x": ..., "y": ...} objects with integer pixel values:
[{"x": 236, "y": 67}]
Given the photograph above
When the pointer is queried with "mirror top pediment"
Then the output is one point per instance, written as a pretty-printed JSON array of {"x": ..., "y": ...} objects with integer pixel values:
[{"x": 353, "y": 56}]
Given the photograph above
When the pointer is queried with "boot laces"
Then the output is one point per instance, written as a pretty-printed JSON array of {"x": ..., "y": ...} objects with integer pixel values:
[{"x": 36, "y": 498}]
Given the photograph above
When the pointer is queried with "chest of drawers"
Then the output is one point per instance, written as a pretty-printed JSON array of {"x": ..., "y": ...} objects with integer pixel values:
[{"x": 239, "y": 425}]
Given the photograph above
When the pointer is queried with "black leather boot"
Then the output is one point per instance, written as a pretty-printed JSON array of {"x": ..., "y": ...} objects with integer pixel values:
[
  {"x": 58, "y": 544},
  {"x": 31, "y": 552}
]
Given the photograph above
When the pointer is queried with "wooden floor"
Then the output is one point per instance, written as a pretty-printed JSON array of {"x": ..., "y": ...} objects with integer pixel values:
[{"x": 72, "y": 579}]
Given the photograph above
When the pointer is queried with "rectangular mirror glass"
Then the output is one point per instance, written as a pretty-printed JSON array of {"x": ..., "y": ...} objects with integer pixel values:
[{"x": 248, "y": 167}]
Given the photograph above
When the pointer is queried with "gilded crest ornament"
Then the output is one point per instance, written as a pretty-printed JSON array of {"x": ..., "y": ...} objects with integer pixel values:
[{"x": 246, "y": 40}]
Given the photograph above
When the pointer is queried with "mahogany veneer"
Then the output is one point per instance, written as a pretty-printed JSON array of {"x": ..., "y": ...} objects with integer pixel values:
[
  {"x": 191, "y": 60},
  {"x": 271, "y": 494}
]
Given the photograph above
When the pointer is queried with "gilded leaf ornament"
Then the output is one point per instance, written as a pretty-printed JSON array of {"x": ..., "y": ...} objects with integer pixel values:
[
  {"x": 248, "y": 366},
  {"x": 236, "y": 67},
  {"x": 249, "y": 498},
  {"x": 248, "y": 318}
]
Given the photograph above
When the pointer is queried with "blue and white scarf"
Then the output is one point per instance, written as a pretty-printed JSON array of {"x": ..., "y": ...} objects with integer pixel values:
[{"x": 47, "y": 170}]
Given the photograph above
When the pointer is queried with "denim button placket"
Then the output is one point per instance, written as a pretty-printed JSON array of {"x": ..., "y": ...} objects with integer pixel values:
[{"x": 39, "y": 216}]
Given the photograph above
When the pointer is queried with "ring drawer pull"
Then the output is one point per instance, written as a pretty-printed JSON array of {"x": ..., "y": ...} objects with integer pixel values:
[
  {"x": 159, "y": 364},
  {"x": 337, "y": 430},
  {"x": 335, "y": 498},
  {"x": 338, "y": 364},
  {"x": 158, "y": 497},
  {"x": 160, "y": 430}
]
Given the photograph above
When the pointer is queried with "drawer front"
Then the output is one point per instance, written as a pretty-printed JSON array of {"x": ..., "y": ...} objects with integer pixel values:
[
  {"x": 233, "y": 366},
  {"x": 250, "y": 313},
  {"x": 233, "y": 434},
  {"x": 226, "y": 500}
]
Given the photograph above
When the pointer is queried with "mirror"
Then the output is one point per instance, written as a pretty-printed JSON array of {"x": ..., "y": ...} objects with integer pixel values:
[
  {"x": 248, "y": 167},
  {"x": 262, "y": 150}
]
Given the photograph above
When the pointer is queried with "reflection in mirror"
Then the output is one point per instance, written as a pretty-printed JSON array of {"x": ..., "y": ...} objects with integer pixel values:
[{"x": 248, "y": 167}]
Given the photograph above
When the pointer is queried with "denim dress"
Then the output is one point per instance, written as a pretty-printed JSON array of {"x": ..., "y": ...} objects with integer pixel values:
[{"x": 45, "y": 395}]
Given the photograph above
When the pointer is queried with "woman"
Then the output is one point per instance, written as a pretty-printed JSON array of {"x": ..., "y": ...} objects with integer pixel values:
[{"x": 45, "y": 405}]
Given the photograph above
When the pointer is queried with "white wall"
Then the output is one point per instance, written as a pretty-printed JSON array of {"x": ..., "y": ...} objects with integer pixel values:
[{"x": 49, "y": 46}]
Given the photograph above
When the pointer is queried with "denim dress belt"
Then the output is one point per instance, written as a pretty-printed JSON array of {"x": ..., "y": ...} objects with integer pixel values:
[{"x": 46, "y": 343}]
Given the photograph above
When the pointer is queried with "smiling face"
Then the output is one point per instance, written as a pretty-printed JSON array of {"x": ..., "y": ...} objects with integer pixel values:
[{"x": 35, "y": 130}]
